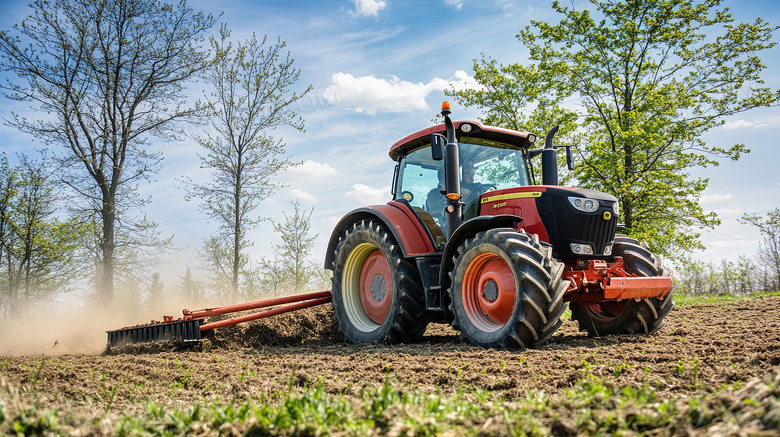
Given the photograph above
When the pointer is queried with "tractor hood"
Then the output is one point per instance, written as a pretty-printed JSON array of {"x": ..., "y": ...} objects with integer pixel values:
[{"x": 576, "y": 221}]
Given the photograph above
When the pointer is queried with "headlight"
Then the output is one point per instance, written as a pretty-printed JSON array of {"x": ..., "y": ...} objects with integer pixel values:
[
  {"x": 584, "y": 204},
  {"x": 581, "y": 249},
  {"x": 616, "y": 208},
  {"x": 608, "y": 249}
]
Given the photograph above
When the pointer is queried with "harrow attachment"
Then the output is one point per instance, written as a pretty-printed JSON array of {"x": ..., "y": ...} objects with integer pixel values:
[{"x": 190, "y": 327}]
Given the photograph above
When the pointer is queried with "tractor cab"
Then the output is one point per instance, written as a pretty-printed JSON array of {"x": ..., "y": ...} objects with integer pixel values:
[
  {"x": 489, "y": 159},
  {"x": 492, "y": 176},
  {"x": 482, "y": 168}
]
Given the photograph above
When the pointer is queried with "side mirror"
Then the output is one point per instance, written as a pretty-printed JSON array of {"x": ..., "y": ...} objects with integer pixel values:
[
  {"x": 569, "y": 156},
  {"x": 438, "y": 142}
]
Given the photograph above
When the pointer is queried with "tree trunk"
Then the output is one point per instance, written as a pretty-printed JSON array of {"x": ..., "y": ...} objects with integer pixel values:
[
  {"x": 236, "y": 239},
  {"x": 105, "y": 276}
]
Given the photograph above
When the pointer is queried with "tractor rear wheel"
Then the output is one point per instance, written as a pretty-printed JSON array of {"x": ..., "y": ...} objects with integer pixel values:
[
  {"x": 506, "y": 290},
  {"x": 377, "y": 294},
  {"x": 629, "y": 316}
]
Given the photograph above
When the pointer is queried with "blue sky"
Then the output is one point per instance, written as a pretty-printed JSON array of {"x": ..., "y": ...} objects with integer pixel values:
[{"x": 378, "y": 69}]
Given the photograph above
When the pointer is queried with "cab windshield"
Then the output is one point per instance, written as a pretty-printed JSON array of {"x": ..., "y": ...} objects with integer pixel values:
[{"x": 493, "y": 168}]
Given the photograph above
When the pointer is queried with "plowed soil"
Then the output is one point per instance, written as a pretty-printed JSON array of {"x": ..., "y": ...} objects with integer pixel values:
[{"x": 701, "y": 348}]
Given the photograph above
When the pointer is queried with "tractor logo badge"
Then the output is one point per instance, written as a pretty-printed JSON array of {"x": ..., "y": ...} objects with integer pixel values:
[
  {"x": 407, "y": 196},
  {"x": 499, "y": 205},
  {"x": 607, "y": 215}
]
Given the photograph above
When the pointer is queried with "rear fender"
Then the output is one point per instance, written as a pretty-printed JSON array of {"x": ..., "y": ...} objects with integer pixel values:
[{"x": 397, "y": 218}]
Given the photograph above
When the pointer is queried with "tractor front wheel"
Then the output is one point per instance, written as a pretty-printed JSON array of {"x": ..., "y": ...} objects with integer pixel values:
[
  {"x": 506, "y": 290},
  {"x": 377, "y": 294},
  {"x": 644, "y": 316}
]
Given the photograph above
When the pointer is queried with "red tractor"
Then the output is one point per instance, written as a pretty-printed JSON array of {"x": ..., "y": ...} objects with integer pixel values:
[{"x": 468, "y": 239}]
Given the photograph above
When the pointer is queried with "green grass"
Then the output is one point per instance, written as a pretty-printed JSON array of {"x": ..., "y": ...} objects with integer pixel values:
[
  {"x": 591, "y": 407},
  {"x": 699, "y": 300}
]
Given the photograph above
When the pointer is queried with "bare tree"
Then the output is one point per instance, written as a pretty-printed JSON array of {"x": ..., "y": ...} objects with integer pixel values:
[
  {"x": 291, "y": 271},
  {"x": 107, "y": 74},
  {"x": 252, "y": 95},
  {"x": 768, "y": 254},
  {"x": 296, "y": 247},
  {"x": 190, "y": 288},
  {"x": 155, "y": 297}
]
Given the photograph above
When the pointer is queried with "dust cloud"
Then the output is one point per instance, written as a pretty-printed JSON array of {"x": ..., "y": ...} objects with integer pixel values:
[{"x": 81, "y": 330}]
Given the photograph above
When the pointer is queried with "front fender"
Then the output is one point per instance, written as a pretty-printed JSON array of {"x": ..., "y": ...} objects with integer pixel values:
[{"x": 469, "y": 229}]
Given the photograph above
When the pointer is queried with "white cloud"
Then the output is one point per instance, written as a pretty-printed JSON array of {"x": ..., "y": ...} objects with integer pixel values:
[
  {"x": 302, "y": 195},
  {"x": 759, "y": 122},
  {"x": 366, "y": 195},
  {"x": 716, "y": 198},
  {"x": 458, "y": 4},
  {"x": 371, "y": 95},
  {"x": 314, "y": 169},
  {"x": 462, "y": 81},
  {"x": 728, "y": 244},
  {"x": 729, "y": 212},
  {"x": 367, "y": 8}
]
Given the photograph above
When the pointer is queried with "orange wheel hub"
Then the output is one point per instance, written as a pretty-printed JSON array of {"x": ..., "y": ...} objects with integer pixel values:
[
  {"x": 488, "y": 291},
  {"x": 376, "y": 287}
]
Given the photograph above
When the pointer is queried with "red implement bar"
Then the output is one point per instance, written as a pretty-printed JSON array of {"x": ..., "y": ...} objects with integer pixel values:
[
  {"x": 208, "y": 312},
  {"x": 267, "y": 313},
  {"x": 603, "y": 280},
  {"x": 638, "y": 287}
]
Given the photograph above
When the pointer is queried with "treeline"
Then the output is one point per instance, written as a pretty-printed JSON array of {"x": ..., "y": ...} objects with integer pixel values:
[
  {"x": 40, "y": 254},
  {"x": 43, "y": 256},
  {"x": 743, "y": 276}
]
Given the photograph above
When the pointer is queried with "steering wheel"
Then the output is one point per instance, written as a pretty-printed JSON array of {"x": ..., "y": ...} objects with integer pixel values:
[
  {"x": 472, "y": 204},
  {"x": 479, "y": 189}
]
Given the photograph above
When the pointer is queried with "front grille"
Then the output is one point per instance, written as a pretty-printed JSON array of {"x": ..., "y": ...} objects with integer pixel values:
[
  {"x": 596, "y": 230},
  {"x": 565, "y": 225}
]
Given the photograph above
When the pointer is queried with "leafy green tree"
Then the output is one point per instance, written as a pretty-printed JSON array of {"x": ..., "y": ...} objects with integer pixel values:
[
  {"x": 768, "y": 255},
  {"x": 216, "y": 258},
  {"x": 253, "y": 94},
  {"x": 8, "y": 187},
  {"x": 651, "y": 78},
  {"x": 522, "y": 98},
  {"x": 105, "y": 75},
  {"x": 519, "y": 97},
  {"x": 273, "y": 281}
]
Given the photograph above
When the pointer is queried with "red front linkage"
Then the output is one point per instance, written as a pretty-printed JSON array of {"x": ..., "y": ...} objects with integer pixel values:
[{"x": 605, "y": 281}]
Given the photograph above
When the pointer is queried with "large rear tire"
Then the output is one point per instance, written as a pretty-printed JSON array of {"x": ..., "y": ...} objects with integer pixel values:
[
  {"x": 377, "y": 294},
  {"x": 506, "y": 290},
  {"x": 629, "y": 316}
]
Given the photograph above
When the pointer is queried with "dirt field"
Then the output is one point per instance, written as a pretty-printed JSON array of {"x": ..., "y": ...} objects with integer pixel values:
[{"x": 702, "y": 348}]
